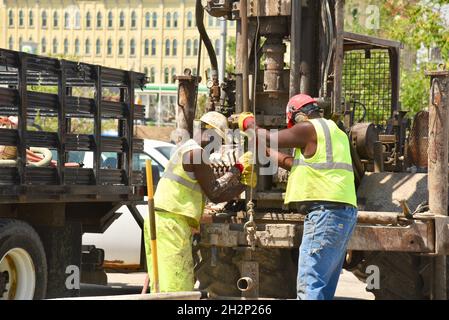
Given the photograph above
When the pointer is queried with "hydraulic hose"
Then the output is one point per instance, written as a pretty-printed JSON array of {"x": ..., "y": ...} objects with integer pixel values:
[{"x": 199, "y": 15}]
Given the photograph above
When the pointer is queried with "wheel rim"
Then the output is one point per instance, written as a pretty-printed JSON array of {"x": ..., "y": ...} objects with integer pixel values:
[{"x": 18, "y": 275}]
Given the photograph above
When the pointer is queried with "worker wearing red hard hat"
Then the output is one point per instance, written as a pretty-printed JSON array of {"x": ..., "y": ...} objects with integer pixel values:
[{"x": 321, "y": 186}]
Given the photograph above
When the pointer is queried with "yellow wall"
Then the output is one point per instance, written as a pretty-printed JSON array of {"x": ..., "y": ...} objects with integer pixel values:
[{"x": 140, "y": 33}]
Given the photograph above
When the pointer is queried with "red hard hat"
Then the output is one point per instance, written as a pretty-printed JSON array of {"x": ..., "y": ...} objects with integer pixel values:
[{"x": 295, "y": 104}]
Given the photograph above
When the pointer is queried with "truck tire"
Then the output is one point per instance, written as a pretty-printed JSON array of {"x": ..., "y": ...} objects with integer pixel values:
[
  {"x": 403, "y": 276},
  {"x": 23, "y": 265},
  {"x": 277, "y": 273}
]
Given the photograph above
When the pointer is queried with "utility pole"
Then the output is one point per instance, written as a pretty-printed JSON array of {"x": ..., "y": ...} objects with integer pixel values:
[{"x": 222, "y": 53}]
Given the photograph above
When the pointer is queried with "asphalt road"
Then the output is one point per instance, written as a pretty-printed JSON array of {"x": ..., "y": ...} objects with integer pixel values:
[{"x": 349, "y": 287}]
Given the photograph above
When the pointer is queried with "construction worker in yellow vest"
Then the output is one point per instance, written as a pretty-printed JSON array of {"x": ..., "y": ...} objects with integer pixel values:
[
  {"x": 321, "y": 185},
  {"x": 180, "y": 198}
]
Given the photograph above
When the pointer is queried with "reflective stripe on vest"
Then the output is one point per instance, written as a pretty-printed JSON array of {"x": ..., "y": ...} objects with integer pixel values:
[
  {"x": 174, "y": 177},
  {"x": 330, "y": 164}
]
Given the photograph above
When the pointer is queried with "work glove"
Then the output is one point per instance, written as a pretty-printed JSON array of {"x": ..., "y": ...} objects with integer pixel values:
[
  {"x": 246, "y": 120},
  {"x": 246, "y": 167}
]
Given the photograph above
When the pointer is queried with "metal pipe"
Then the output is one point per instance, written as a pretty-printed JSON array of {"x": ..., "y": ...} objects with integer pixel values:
[
  {"x": 438, "y": 167},
  {"x": 222, "y": 53},
  {"x": 378, "y": 157},
  {"x": 339, "y": 56},
  {"x": 245, "y": 284},
  {"x": 245, "y": 65},
  {"x": 295, "y": 45}
]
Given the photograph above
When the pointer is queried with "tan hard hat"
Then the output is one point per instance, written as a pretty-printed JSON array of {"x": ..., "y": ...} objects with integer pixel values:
[{"x": 216, "y": 121}]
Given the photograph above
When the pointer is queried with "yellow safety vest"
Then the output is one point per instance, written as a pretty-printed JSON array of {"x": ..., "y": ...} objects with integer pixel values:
[
  {"x": 177, "y": 192},
  {"x": 328, "y": 175}
]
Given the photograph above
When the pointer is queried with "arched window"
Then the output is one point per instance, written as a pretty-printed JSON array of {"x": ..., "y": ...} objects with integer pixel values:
[
  {"x": 11, "y": 43},
  {"x": 110, "y": 19},
  {"x": 66, "y": 46},
  {"x": 172, "y": 75},
  {"x": 189, "y": 19},
  {"x": 20, "y": 18},
  {"x": 152, "y": 75},
  {"x": 145, "y": 70},
  {"x": 66, "y": 20},
  {"x": 109, "y": 47},
  {"x": 154, "y": 18},
  {"x": 210, "y": 21},
  {"x": 122, "y": 20},
  {"x": 217, "y": 22},
  {"x": 77, "y": 47},
  {"x": 98, "y": 47},
  {"x": 88, "y": 20},
  {"x": 87, "y": 46},
  {"x": 146, "y": 51},
  {"x": 217, "y": 46},
  {"x": 43, "y": 45},
  {"x": 44, "y": 19},
  {"x": 168, "y": 20},
  {"x": 166, "y": 75},
  {"x": 194, "y": 72},
  {"x": 175, "y": 48},
  {"x": 120, "y": 47},
  {"x": 132, "y": 47},
  {"x": 153, "y": 47},
  {"x": 147, "y": 20},
  {"x": 167, "y": 47},
  {"x": 10, "y": 18},
  {"x": 189, "y": 47},
  {"x": 175, "y": 20},
  {"x": 20, "y": 43},
  {"x": 195, "y": 47},
  {"x": 55, "y": 19},
  {"x": 31, "y": 18},
  {"x": 133, "y": 19},
  {"x": 55, "y": 46},
  {"x": 77, "y": 20},
  {"x": 99, "y": 20}
]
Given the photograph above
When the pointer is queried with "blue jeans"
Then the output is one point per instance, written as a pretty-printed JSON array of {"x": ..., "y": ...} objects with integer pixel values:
[{"x": 322, "y": 252}]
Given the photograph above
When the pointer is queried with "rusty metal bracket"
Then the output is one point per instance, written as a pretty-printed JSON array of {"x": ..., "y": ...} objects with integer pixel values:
[{"x": 436, "y": 99}]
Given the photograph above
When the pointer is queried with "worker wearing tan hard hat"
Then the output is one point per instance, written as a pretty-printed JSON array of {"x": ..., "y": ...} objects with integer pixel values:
[{"x": 180, "y": 199}]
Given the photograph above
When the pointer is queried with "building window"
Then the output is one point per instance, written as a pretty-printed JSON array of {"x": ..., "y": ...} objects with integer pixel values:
[
  {"x": 109, "y": 47},
  {"x": 10, "y": 18},
  {"x": 152, "y": 75},
  {"x": 147, "y": 20},
  {"x": 194, "y": 72},
  {"x": 55, "y": 46},
  {"x": 167, "y": 47},
  {"x": 66, "y": 46},
  {"x": 20, "y": 43},
  {"x": 195, "y": 47},
  {"x": 173, "y": 74},
  {"x": 175, "y": 48},
  {"x": 146, "y": 51},
  {"x": 44, "y": 19},
  {"x": 98, "y": 47},
  {"x": 120, "y": 47},
  {"x": 168, "y": 20},
  {"x": 43, "y": 45},
  {"x": 132, "y": 47},
  {"x": 11, "y": 43},
  {"x": 133, "y": 20},
  {"x": 77, "y": 47},
  {"x": 110, "y": 19},
  {"x": 66, "y": 20},
  {"x": 88, "y": 20},
  {"x": 189, "y": 47},
  {"x": 217, "y": 47},
  {"x": 189, "y": 20},
  {"x": 153, "y": 47},
  {"x": 87, "y": 47},
  {"x": 210, "y": 21},
  {"x": 122, "y": 20},
  {"x": 166, "y": 75},
  {"x": 145, "y": 70},
  {"x": 77, "y": 20},
  {"x": 154, "y": 18},
  {"x": 55, "y": 19},
  {"x": 175, "y": 20},
  {"x": 217, "y": 22},
  {"x": 20, "y": 18},
  {"x": 31, "y": 18},
  {"x": 99, "y": 20}
]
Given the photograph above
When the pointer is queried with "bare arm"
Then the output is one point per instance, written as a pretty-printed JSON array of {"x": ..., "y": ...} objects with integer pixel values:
[
  {"x": 284, "y": 161},
  {"x": 296, "y": 137},
  {"x": 219, "y": 190}
]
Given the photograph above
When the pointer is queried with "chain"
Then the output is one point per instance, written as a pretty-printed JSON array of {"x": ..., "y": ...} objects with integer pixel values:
[{"x": 250, "y": 227}]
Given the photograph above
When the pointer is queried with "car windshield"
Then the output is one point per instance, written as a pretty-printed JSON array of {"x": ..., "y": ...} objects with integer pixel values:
[{"x": 166, "y": 151}]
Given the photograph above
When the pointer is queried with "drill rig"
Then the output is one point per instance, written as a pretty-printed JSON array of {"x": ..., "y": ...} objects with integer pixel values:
[{"x": 249, "y": 248}]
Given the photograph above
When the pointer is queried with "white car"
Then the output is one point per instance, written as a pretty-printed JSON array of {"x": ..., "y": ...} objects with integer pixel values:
[{"x": 122, "y": 241}]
